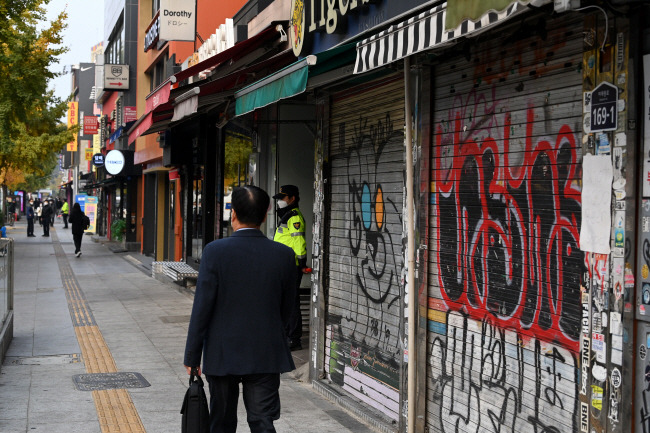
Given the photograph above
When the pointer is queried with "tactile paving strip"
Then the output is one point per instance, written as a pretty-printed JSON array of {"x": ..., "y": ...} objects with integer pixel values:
[{"x": 115, "y": 409}]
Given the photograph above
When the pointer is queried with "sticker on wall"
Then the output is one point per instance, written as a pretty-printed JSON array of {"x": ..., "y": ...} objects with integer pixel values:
[
  {"x": 619, "y": 238},
  {"x": 616, "y": 378},
  {"x": 597, "y": 397},
  {"x": 599, "y": 372},
  {"x": 599, "y": 346},
  {"x": 644, "y": 271},
  {"x": 603, "y": 144},
  {"x": 629, "y": 278},
  {"x": 642, "y": 352},
  {"x": 642, "y": 310},
  {"x": 620, "y": 139},
  {"x": 645, "y": 294}
]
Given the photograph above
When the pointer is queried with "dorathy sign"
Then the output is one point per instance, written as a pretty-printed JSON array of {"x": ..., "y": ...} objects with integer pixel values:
[
  {"x": 177, "y": 20},
  {"x": 604, "y": 115},
  {"x": 309, "y": 16},
  {"x": 116, "y": 77}
]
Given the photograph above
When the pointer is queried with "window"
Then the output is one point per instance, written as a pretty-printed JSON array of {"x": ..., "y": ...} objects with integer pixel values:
[
  {"x": 115, "y": 48},
  {"x": 159, "y": 73},
  {"x": 155, "y": 5}
]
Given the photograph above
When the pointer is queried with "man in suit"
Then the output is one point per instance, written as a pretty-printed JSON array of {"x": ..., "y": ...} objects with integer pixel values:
[{"x": 243, "y": 301}]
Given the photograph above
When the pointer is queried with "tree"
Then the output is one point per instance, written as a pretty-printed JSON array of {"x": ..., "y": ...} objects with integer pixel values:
[{"x": 30, "y": 131}]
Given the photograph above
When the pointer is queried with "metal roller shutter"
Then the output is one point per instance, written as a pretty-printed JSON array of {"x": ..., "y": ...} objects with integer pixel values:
[
  {"x": 365, "y": 261},
  {"x": 505, "y": 264}
]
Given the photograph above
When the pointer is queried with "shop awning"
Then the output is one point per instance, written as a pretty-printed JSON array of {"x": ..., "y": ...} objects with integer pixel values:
[
  {"x": 158, "y": 108},
  {"x": 287, "y": 82},
  {"x": 231, "y": 54},
  {"x": 424, "y": 32}
]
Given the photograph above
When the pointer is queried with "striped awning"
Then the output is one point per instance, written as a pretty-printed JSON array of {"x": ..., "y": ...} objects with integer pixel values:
[{"x": 424, "y": 32}]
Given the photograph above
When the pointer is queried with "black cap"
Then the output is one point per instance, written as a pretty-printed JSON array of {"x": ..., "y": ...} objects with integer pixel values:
[{"x": 287, "y": 190}]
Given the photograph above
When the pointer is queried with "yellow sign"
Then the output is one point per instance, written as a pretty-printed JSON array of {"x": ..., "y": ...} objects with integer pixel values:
[
  {"x": 73, "y": 119},
  {"x": 89, "y": 154}
]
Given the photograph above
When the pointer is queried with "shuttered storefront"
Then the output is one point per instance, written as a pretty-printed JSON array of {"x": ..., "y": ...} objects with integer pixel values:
[
  {"x": 504, "y": 263},
  {"x": 365, "y": 298}
]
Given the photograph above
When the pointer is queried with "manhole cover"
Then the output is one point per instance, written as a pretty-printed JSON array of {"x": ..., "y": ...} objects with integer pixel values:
[
  {"x": 45, "y": 360},
  {"x": 103, "y": 381}
]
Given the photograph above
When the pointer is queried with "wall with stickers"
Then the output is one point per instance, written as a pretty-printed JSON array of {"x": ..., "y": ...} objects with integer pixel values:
[{"x": 527, "y": 327}]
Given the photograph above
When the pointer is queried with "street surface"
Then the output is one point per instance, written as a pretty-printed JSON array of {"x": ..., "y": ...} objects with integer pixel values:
[{"x": 77, "y": 319}]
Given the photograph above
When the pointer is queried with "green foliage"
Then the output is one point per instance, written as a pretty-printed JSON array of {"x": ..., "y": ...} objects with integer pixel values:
[
  {"x": 118, "y": 229},
  {"x": 30, "y": 130}
]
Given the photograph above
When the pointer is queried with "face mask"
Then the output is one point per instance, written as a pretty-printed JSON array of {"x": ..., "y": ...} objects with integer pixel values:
[{"x": 282, "y": 204}]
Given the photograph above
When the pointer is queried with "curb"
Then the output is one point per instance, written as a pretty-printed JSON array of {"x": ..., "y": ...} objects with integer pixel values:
[{"x": 373, "y": 418}]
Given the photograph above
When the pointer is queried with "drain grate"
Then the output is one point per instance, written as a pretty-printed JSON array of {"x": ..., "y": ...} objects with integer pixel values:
[
  {"x": 103, "y": 381},
  {"x": 44, "y": 360}
]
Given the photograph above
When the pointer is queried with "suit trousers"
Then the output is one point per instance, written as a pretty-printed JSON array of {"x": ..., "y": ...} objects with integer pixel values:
[
  {"x": 294, "y": 326},
  {"x": 30, "y": 226},
  {"x": 261, "y": 398}
]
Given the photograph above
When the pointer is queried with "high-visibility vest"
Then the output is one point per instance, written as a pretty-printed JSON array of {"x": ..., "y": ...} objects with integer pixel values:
[{"x": 291, "y": 232}]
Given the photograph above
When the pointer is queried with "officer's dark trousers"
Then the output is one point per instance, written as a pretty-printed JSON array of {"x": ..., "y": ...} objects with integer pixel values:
[
  {"x": 261, "y": 398},
  {"x": 65, "y": 220},
  {"x": 294, "y": 327},
  {"x": 46, "y": 228}
]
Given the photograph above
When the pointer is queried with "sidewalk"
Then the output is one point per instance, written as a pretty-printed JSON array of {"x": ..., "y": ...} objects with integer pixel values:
[{"x": 103, "y": 313}]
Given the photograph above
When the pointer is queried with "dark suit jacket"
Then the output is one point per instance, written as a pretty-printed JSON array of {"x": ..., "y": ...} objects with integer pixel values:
[{"x": 244, "y": 295}]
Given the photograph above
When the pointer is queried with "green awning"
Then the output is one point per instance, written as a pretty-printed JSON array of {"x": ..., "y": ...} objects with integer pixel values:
[
  {"x": 292, "y": 80},
  {"x": 285, "y": 83},
  {"x": 461, "y": 10}
]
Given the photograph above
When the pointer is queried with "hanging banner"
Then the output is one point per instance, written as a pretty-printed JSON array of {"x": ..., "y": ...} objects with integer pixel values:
[
  {"x": 89, "y": 154},
  {"x": 177, "y": 20}
]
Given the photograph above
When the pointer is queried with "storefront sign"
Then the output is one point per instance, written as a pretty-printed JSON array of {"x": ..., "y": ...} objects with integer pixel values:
[
  {"x": 91, "y": 212},
  {"x": 130, "y": 114},
  {"x": 116, "y": 77},
  {"x": 177, "y": 20},
  {"x": 73, "y": 119},
  {"x": 114, "y": 162},
  {"x": 319, "y": 15},
  {"x": 151, "y": 37},
  {"x": 91, "y": 125},
  {"x": 89, "y": 154},
  {"x": 98, "y": 160}
]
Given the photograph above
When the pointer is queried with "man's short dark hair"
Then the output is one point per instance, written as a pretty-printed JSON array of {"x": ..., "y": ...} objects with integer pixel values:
[{"x": 250, "y": 203}]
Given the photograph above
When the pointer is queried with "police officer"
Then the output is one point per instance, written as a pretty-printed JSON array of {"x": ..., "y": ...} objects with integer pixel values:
[{"x": 291, "y": 232}]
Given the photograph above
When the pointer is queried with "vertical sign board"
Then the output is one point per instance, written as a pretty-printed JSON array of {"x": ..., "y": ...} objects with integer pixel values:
[
  {"x": 91, "y": 213},
  {"x": 646, "y": 126},
  {"x": 177, "y": 20}
]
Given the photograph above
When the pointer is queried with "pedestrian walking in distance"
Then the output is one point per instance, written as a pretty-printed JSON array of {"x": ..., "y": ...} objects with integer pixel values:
[
  {"x": 243, "y": 301},
  {"x": 79, "y": 222}
]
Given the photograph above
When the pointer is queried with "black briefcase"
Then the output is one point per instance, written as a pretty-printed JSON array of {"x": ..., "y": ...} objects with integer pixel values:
[{"x": 196, "y": 418}]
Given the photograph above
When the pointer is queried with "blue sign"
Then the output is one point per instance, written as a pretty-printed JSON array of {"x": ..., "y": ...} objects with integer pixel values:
[{"x": 81, "y": 199}]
